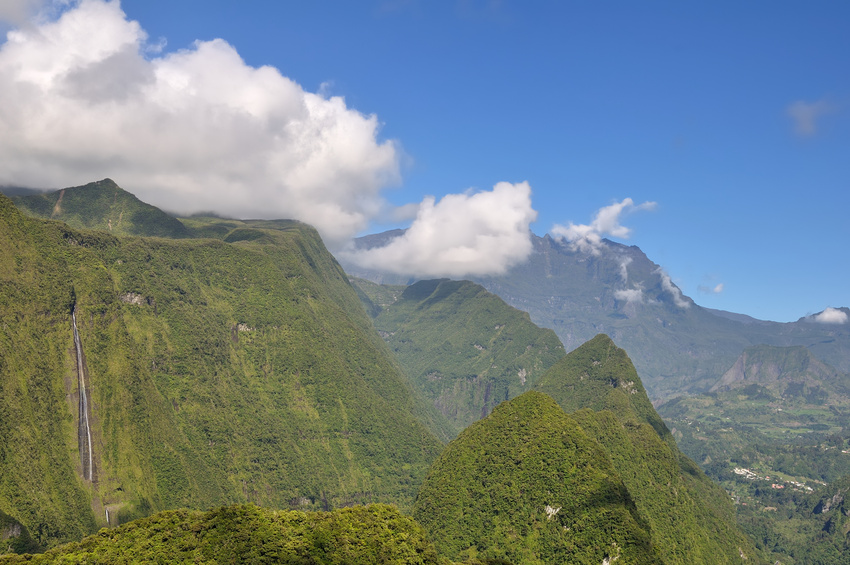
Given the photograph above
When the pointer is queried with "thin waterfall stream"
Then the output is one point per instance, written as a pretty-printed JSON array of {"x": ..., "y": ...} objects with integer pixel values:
[{"x": 83, "y": 430}]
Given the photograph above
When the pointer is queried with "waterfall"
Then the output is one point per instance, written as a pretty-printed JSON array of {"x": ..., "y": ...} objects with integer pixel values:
[{"x": 83, "y": 431}]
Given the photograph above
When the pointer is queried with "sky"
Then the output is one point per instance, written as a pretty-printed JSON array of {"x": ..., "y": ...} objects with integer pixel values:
[{"x": 714, "y": 135}]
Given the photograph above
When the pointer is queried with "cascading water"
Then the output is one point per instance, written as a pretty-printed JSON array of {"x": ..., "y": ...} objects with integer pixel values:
[{"x": 83, "y": 430}]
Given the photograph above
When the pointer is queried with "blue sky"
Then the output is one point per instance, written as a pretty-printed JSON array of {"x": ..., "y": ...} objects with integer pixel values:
[{"x": 733, "y": 117}]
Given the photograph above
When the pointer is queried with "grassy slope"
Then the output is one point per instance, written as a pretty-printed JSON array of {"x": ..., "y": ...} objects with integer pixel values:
[
  {"x": 102, "y": 205},
  {"x": 463, "y": 348},
  {"x": 691, "y": 518},
  {"x": 219, "y": 372},
  {"x": 488, "y": 493}
]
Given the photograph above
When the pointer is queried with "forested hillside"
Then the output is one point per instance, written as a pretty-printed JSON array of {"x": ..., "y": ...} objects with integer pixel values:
[
  {"x": 209, "y": 372},
  {"x": 464, "y": 349},
  {"x": 691, "y": 519}
]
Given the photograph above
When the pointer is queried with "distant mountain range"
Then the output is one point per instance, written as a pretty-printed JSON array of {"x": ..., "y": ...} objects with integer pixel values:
[{"x": 677, "y": 346}]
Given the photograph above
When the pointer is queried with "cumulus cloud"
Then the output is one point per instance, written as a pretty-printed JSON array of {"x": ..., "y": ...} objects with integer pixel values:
[
  {"x": 18, "y": 12},
  {"x": 476, "y": 233},
  {"x": 193, "y": 130},
  {"x": 588, "y": 238},
  {"x": 805, "y": 115},
  {"x": 716, "y": 289},
  {"x": 629, "y": 295},
  {"x": 830, "y": 316},
  {"x": 673, "y": 290}
]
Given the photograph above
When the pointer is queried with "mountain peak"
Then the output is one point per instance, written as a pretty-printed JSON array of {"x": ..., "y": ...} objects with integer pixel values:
[
  {"x": 102, "y": 205},
  {"x": 527, "y": 484},
  {"x": 600, "y": 376}
]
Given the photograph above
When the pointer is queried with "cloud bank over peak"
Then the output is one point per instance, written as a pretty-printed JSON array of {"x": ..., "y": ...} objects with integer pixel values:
[
  {"x": 476, "y": 233},
  {"x": 194, "y": 130},
  {"x": 830, "y": 316},
  {"x": 588, "y": 238}
]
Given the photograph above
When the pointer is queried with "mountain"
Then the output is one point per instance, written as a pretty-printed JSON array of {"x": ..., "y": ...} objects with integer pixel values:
[
  {"x": 787, "y": 372},
  {"x": 689, "y": 518},
  {"x": 527, "y": 485},
  {"x": 248, "y": 534},
  {"x": 778, "y": 410},
  {"x": 144, "y": 374},
  {"x": 773, "y": 432},
  {"x": 677, "y": 346},
  {"x": 464, "y": 349},
  {"x": 101, "y": 205}
]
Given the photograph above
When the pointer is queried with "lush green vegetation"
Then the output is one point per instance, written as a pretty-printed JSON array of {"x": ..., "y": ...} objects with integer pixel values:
[
  {"x": 526, "y": 484},
  {"x": 218, "y": 373},
  {"x": 375, "y": 534},
  {"x": 464, "y": 349},
  {"x": 102, "y": 205},
  {"x": 774, "y": 434},
  {"x": 690, "y": 518}
]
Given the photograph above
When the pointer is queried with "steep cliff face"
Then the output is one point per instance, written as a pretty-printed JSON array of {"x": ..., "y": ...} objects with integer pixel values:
[{"x": 214, "y": 372}]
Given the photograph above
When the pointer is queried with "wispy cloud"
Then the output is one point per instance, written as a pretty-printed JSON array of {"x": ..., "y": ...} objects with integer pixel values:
[
  {"x": 670, "y": 288},
  {"x": 476, "y": 233},
  {"x": 716, "y": 289},
  {"x": 85, "y": 97},
  {"x": 588, "y": 237},
  {"x": 629, "y": 295},
  {"x": 830, "y": 316},
  {"x": 805, "y": 115}
]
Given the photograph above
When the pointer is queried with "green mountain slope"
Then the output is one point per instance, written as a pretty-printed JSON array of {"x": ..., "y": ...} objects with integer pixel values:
[
  {"x": 526, "y": 484},
  {"x": 248, "y": 534},
  {"x": 690, "y": 518},
  {"x": 102, "y": 205},
  {"x": 463, "y": 348},
  {"x": 213, "y": 372}
]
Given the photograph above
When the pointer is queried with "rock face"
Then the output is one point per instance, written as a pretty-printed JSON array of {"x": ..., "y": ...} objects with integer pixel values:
[
  {"x": 526, "y": 484},
  {"x": 788, "y": 373},
  {"x": 14, "y": 536}
]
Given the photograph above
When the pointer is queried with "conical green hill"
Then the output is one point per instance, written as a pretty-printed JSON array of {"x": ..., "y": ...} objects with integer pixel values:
[
  {"x": 691, "y": 518},
  {"x": 600, "y": 376},
  {"x": 216, "y": 372},
  {"x": 102, "y": 205},
  {"x": 527, "y": 485}
]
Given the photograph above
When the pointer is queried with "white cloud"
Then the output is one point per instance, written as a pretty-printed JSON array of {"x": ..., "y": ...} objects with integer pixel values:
[
  {"x": 629, "y": 295},
  {"x": 588, "y": 238},
  {"x": 463, "y": 234},
  {"x": 805, "y": 115},
  {"x": 716, "y": 289},
  {"x": 668, "y": 286},
  {"x": 831, "y": 316},
  {"x": 624, "y": 269},
  {"x": 18, "y": 12},
  {"x": 193, "y": 130}
]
